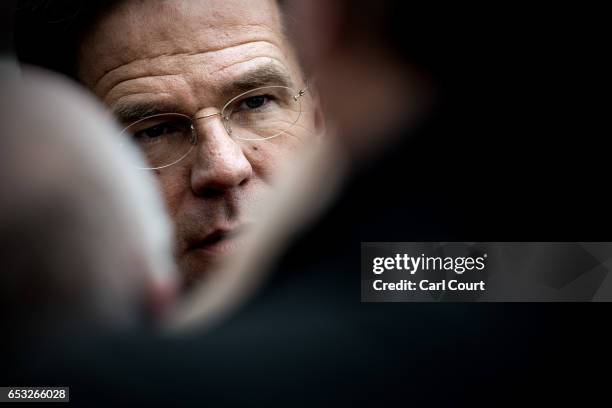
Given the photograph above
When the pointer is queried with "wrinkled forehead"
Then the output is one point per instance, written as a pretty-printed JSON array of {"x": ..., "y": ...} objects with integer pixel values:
[{"x": 141, "y": 30}]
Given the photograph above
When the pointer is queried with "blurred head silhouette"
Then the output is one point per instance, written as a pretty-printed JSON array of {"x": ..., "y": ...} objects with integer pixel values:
[
  {"x": 366, "y": 57},
  {"x": 84, "y": 240}
]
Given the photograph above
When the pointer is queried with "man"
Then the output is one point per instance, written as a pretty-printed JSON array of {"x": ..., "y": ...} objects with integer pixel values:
[{"x": 168, "y": 70}]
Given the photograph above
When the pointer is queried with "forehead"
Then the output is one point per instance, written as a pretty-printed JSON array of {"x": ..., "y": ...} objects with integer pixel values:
[{"x": 153, "y": 38}]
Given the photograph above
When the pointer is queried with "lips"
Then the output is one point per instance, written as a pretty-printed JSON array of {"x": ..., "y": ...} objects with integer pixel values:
[{"x": 220, "y": 241}]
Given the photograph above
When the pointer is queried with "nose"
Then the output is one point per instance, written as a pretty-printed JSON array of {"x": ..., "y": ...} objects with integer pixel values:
[{"x": 221, "y": 164}]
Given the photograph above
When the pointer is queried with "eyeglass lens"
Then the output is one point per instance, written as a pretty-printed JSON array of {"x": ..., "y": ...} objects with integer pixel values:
[{"x": 258, "y": 114}]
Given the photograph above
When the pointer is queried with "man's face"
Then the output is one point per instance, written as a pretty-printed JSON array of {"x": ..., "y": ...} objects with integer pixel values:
[{"x": 190, "y": 57}]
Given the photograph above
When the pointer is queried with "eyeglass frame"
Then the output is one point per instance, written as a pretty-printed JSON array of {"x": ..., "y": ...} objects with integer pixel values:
[{"x": 194, "y": 134}]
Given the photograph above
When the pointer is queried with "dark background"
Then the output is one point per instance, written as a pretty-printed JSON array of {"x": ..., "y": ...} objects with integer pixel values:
[{"x": 515, "y": 149}]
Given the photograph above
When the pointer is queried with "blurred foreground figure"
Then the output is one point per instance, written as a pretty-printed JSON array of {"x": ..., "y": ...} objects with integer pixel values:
[
  {"x": 84, "y": 240},
  {"x": 305, "y": 337},
  {"x": 374, "y": 95}
]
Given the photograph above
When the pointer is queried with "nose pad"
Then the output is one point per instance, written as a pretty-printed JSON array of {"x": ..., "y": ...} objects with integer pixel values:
[
  {"x": 224, "y": 118},
  {"x": 193, "y": 138},
  {"x": 227, "y": 124}
]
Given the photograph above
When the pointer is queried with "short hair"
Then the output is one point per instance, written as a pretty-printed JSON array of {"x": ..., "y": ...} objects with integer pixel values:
[{"x": 48, "y": 32}]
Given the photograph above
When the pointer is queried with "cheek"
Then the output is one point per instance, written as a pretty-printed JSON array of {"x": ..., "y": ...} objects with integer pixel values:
[
  {"x": 284, "y": 147},
  {"x": 173, "y": 183},
  {"x": 267, "y": 157}
]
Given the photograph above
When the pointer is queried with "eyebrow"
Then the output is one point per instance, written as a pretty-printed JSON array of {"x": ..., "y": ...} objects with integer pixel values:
[
  {"x": 131, "y": 112},
  {"x": 265, "y": 75}
]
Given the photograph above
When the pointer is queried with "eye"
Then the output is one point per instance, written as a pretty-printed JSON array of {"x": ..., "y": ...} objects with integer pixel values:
[
  {"x": 254, "y": 102},
  {"x": 154, "y": 133}
]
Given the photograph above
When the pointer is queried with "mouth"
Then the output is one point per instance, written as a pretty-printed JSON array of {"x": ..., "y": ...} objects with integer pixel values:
[{"x": 218, "y": 242}]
